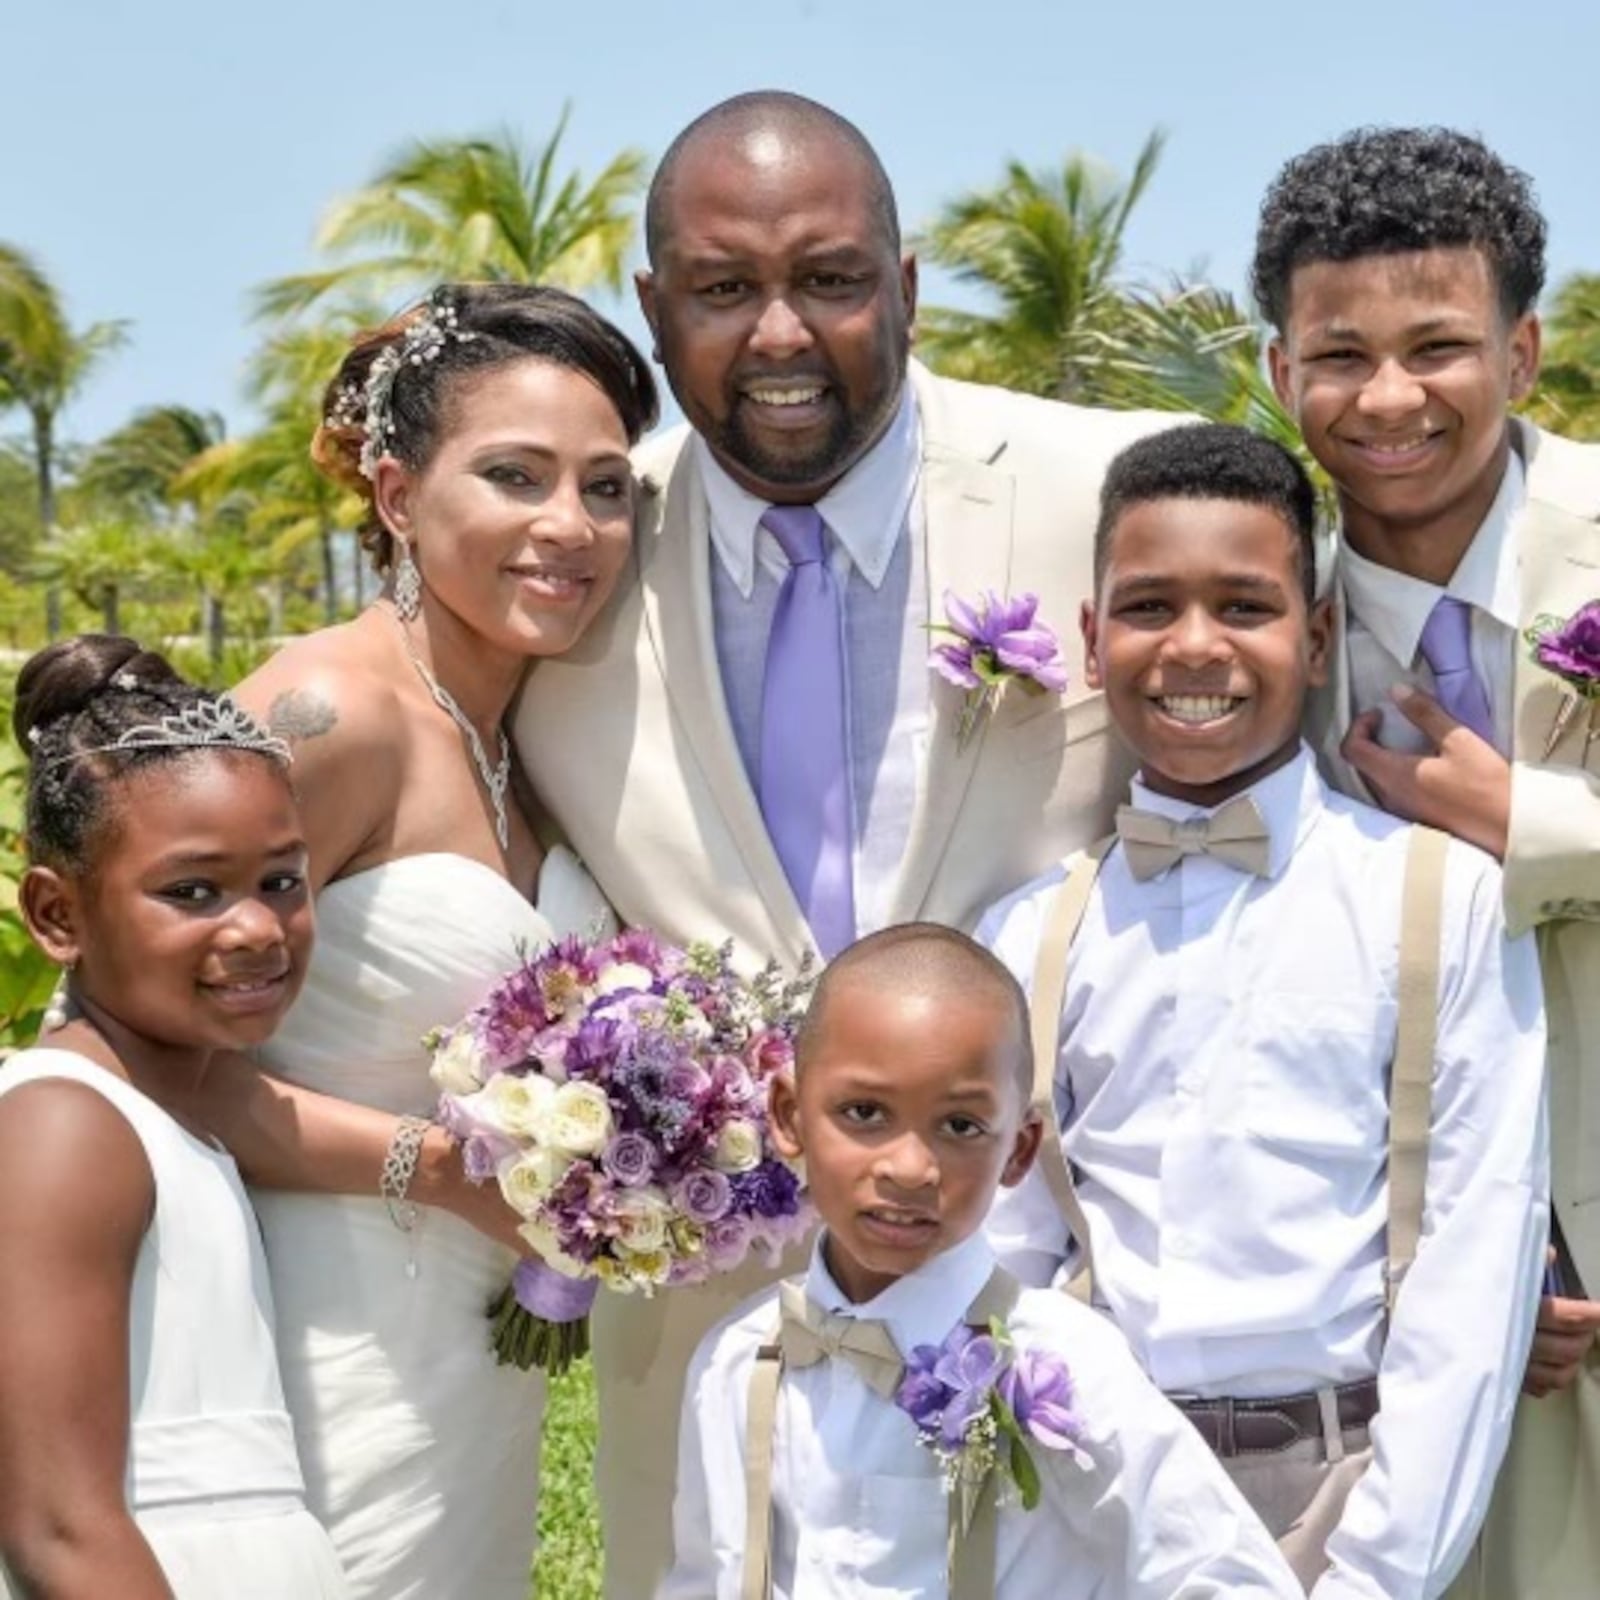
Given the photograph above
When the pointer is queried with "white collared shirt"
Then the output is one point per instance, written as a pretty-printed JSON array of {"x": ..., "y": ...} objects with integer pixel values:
[
  {"x": 859, "y": 1506},
  {"x": 875, "y": 527},
  {"x": 1222, "y": 1080},
  {"x": 1386, "y": 612}
]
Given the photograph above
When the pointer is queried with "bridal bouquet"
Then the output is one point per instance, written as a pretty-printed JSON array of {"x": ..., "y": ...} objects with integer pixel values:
[{"x": 617, "y": 1092}]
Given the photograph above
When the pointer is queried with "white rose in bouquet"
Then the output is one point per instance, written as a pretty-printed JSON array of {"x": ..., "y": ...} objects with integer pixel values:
[
  {"x": 527, "y": 1179},
  {"x": 458, "y": 1064},
  {"x": 738, "y": 1147},
  {"x": 516, "y": 1105},
  {"x": 642, "y": 1216},
  {"x": 578, "y": 1119},
  {"x": 543, "y": 1242}
]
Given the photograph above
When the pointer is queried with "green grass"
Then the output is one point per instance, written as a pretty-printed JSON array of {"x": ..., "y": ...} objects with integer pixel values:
[{"x": 567, "y": 1566}]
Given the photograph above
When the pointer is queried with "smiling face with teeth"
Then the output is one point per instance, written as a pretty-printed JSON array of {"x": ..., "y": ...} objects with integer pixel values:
[
  {"x": 191, "y": 924},
  {"x": 1204, "y": 643},
  {"x": 1400, "y": 370},
  {"x": 780, "y": 308},
  {"x": 521, "y": 518},
  {"x": 911, "y": 1108}
]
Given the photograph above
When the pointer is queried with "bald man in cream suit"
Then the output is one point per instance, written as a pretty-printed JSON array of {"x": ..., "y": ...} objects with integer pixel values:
[
  {"x": 1400, "y": 268},
  {"x": 781, "y": 308}
]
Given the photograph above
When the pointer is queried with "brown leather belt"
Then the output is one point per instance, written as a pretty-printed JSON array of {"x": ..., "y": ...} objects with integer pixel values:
[{"x": 1264, "y": 1426}]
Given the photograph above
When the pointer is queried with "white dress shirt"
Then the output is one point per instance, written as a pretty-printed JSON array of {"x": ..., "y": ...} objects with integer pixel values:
[
  {"x": 875, "y": 525},
  {"x": 1222, "y": 1080},
  {"x": 859, "y": 1505},
  {"x": 1386, "y": 612}
]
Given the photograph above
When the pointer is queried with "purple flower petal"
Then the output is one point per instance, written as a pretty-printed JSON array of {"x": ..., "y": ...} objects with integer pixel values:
[
  {"x": 954, "y": 662},
  {"x": 1039, "y": 1389},
  {"x": 1573, "y": 650},
  {"x": 962, "y": 617}
]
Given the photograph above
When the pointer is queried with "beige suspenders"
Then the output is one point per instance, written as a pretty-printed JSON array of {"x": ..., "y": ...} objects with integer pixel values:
[
  {"x": 1411, "y": 1077},
  {"x": 971, "y": 1552}
]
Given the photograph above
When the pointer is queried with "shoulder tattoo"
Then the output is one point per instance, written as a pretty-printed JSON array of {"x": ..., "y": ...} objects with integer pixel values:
[{"x": 299, "y": 714}]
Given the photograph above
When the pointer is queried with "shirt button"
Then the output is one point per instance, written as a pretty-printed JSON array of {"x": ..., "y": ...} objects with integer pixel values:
[{"x": 1180, "y": 1244}]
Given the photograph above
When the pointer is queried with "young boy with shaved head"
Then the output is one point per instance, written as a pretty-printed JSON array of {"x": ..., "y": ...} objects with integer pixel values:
[
  {"x": 910, "y": 1108},
  {"x": 1296, "y": 1062}
]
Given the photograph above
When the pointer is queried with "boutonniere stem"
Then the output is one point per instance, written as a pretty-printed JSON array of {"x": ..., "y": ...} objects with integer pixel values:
[{"x": 991, "y": 644}]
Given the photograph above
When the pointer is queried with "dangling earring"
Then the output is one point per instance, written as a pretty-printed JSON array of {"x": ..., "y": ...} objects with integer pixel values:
[
  {"x": 407, "y": 585},
  {"x": 58, "y": 1012}
]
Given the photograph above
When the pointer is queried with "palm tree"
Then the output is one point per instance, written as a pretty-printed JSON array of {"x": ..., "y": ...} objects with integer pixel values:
[
  {"x": 1047, "y": 246},
  {"x": 137, "y": 467},
  {"x": 486, "y": 209},
  {"x": 1568, "y": 397},
  {"x": 294, "y": 505},
  {"x": 43, "y": 363},
  {"x": 97, "y": 561}
]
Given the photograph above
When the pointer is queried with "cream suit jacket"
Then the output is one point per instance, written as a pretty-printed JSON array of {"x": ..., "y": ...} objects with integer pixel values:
[
  {"x": 1541, "y": 1539},
  {"x": 1552, "y": 865},
  {"x": 630, "y": 747},
  {"x": 629, "y": 744}
]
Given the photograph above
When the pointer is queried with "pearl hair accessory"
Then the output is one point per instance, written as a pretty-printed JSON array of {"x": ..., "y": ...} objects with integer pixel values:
[{"x": 372, "y": 406}]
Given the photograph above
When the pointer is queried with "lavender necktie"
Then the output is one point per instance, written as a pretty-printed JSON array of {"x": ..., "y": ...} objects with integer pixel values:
[
  {"x": 804, "y": 781},
  {"x": 1447, "y": 648}
]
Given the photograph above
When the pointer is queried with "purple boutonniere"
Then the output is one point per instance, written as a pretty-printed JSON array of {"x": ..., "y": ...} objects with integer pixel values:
[
  {"x": 1571, "y": 651},
  {"x": 978, "y": 1403},
  {"x": 992, "y": 644}
]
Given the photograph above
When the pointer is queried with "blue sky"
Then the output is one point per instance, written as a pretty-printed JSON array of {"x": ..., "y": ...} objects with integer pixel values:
[{"x": 162, "y": 158}]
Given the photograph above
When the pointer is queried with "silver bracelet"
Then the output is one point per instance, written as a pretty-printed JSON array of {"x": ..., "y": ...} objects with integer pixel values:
[{"x": 399, "y": 1168}]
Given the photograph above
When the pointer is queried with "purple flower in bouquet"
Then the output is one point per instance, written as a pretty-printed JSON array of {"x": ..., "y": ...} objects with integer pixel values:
[
  {"x": 992, "y": 644},
  {"x": 770, "y": 1191},
  {"x": 704, "y": 1196},
  {"x": 630, "y": 1158},
  {"x": 968, "y": 1365}
]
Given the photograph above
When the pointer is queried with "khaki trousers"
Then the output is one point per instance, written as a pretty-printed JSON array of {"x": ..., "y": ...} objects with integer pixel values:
[
  {"x": 1541, "y": 1538},
  {"x": 642, "y": 1349},
  {"x": 1300, "y": 1494}
]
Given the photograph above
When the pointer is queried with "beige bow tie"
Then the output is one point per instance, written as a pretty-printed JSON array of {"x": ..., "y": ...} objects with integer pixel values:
[
  {"x": 1235, "y": 834},
  {"x": 809, "y": 1334}
]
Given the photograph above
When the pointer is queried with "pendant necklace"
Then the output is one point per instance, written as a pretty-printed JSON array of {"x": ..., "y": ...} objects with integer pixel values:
[{"x": 496, "y": 779}]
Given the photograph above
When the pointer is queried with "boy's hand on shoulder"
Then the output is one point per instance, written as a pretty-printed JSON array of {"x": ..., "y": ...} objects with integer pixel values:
[
  {"x": 1562, "y": 1340},
  {"x": 1463, "y": 785}
]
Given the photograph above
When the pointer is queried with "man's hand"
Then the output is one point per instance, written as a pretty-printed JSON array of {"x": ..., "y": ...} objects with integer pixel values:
[
  {"x": 1562, "y": 1340},
  {"x": 1463, "y": 786}
]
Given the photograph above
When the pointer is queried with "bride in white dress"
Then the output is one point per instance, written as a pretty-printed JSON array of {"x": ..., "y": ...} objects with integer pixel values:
[{"x": 488, "y": 431}]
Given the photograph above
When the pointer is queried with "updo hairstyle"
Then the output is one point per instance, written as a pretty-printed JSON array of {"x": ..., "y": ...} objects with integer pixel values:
[
  {"x": 75, "y": 696},
  {"x": 503, "y": 323}
]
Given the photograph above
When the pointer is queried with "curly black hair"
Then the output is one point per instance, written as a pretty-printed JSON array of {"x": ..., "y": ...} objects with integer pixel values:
[
  {"x": 1384, "y": 191},
  {"x": 1210, "y": 461},
  {"x": 73, "y": 698}
]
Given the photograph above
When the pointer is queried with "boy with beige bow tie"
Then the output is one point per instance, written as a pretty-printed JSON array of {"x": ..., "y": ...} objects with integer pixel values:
[
  {"x": 803, "y": 1472},
  {"x": 1296, "y": 1062}
]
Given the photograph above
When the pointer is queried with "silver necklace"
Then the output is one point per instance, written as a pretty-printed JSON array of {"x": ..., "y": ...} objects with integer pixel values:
[{"x": 496, "y": 779}]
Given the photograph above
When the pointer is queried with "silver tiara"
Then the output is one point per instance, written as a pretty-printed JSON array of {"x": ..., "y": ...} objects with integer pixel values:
[
  {"x": 373, "y": 405},
  {"x": 218, "y": 723}
]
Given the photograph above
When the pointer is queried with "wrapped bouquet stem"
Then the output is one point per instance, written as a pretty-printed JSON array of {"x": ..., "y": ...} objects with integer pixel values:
[{"x": 617, "y": 1094}]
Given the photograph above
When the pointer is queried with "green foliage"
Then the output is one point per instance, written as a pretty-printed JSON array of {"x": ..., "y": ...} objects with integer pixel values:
[
  {"x": 1567, "y": 400},
  {"x": 489, "y": 209},
  {"x": 568, "y": 1564}
]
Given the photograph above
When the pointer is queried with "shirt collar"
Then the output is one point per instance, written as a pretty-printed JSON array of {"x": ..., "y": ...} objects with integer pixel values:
[
  {"x": 866, "y": 508},
  {"x": 923, "y": 1306},
  {"x": 1394, "y": 607},
  {"x": 1290, "y": 801}
]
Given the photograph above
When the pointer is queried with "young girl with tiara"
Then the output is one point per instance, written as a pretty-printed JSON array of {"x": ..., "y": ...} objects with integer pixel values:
[{"x": 145, "y": 1451}]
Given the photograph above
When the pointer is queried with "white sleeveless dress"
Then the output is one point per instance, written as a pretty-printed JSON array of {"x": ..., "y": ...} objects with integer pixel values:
[
  {"x": 421, "y": 1455},
  {"x": 213, "y": 1481}
]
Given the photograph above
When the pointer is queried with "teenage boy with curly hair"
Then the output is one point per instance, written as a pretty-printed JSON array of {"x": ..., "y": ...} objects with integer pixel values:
[{"x": 1400, "y": 269}]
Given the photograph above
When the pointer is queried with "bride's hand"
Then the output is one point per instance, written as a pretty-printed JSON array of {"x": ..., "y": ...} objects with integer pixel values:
[{"x": 441, "y": 1180}]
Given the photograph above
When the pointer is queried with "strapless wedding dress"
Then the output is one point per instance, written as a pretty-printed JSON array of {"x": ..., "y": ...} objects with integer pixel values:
[{"x": 421, "y": 1456}]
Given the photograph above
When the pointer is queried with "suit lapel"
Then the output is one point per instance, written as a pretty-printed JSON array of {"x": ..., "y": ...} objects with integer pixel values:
[
  {"x": 1559, "y": 571},
  {"x": 967, "y": 514},
  {"x": 675, "y": 580}
]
